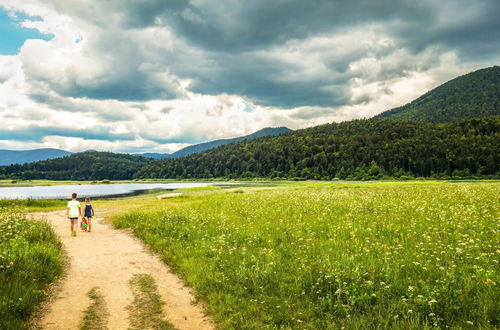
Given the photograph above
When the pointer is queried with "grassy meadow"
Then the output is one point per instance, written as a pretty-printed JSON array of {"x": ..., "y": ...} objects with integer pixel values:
[
  {"x": 32, "y": 205},
  {"x": 30, "y": 259},
  {"x": 320, "y": 256}
]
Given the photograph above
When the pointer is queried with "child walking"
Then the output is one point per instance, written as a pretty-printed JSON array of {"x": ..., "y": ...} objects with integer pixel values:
[
  {"x": 73, "y": 211},
  {"x": 89, "y": 212}
]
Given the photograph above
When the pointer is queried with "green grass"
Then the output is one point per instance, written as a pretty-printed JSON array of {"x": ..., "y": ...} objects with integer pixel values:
[
  {"x": 43, "y": 182},
  {"x": 32, "y": 205},
  {"x": 376, "y": 255},
  {"x": 146, "y": 311},
  {"x": 96, "y": 315},
  {"x": 197, "y": 189},
  {"x": 30, "y": 259},
  {"x": 32, "y": 183}
]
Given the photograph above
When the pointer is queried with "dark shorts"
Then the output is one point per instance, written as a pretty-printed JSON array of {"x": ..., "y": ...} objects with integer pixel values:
[{"x": 73, "y": 218}]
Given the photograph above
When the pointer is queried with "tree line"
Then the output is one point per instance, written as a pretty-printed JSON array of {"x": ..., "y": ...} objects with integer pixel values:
[
  {"x": 90, "y": 165},
  {"x": 354, "y": 150},
  {"x": 357, "y": 150}
]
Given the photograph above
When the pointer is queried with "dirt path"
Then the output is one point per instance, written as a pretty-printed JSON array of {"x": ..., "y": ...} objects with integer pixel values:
[{"x": 108, "y": 258}]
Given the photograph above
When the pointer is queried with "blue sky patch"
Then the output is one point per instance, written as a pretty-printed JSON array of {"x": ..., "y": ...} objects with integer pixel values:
[{"x": 13, "y": 35}]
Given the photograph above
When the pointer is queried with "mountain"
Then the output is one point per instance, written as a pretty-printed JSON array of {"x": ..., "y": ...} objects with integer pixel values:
[
  {"x": 154, "y": 155},
  {"x": 89, "y": 165},
  {"x": 268, "y": 131},
  {"x": 8, "y": 157},
  {"x": 356, "y": 150},
  {"x": 476, "y": 94}
]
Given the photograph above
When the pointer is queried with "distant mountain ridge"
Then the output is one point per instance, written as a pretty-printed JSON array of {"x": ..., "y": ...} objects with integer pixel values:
[
  {"x": 451, "y": 131},
  {"x": 154, "y": 155},
  {"x": 8, "y": 157},
  {"x": 366, "y": 149},
  {"x": 355, "y": 150},
  {"x": 268, "y": 131},
  {"x": 476, "y": 94},
  {"x": 195, "y": 148}
]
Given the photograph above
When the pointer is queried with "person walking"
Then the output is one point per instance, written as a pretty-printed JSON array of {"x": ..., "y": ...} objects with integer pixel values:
[
  {"x": 74, "y": 211},
  {"x": 89, "y": 213}
]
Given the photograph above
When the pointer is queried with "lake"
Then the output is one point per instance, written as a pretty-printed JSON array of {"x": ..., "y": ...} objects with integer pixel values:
[{"x": 92, "y": 190}]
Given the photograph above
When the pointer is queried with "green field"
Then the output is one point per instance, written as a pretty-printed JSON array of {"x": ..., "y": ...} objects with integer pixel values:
[
  {"x": 32, "y": 183},
  {"x": 30, "y": 259},
  {"x": 317, "y": 256},
  {"x": 32, "y": 205}
]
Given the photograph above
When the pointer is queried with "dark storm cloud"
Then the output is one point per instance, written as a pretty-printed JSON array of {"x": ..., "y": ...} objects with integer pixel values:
[
  {"x": 35, "y": 133},
  {"x": 133, "y": 86},
  {"x": 229, "y": 25},
  {"x": 260, "y": 81},
  {"x": 230, "y": 31},
  {"x": 123, "y": 82},
  {"x": 471, "y": 28},
  {"x": 103, "y": 112},
  {"x": 230, "y": 46}
]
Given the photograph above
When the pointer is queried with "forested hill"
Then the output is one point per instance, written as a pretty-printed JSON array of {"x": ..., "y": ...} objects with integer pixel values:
[
  {"x": 268, "y": 131},
  {"x": 475, "y": 94},
  {"x": 359, "y": 149},
  {"x": 91, "y": 165}
]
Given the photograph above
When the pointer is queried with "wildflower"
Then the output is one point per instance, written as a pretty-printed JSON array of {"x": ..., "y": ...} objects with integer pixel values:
[
  {"x": 470, "y": 323},
  {"x": 433, "y": 301},
  {"x": 488, "y": 281},
  {"x": 411, "y": 288},
  {"x": 432, "y": 314},
  {"x": 410, "y": 311}
]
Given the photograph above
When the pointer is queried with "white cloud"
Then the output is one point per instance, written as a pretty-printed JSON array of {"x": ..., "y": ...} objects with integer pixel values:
[
  {"x": 120, "y": 129},
  {"x": 132, "y": 83}
]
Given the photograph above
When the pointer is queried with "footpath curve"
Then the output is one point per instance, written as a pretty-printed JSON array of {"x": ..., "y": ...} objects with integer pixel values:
[{"x": 108, "y": 258}]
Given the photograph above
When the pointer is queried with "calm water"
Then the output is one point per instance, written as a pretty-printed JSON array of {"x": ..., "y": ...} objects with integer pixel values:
[{"x": 91, "y": 190}]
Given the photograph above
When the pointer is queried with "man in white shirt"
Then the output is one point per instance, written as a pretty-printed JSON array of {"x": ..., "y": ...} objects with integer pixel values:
[{"x": 73, "y": 212}]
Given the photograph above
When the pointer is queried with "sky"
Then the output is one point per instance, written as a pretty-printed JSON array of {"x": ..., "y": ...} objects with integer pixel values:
[{"x": 156, "y": 76}]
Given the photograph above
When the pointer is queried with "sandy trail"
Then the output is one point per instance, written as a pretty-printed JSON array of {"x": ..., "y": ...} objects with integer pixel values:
[{"x": 108, "y": 258}]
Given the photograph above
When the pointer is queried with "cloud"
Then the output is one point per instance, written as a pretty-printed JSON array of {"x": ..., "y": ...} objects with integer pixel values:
[
  {"x": 120, "y": 129},
  {"x": 36, "y": 133},
  {"x": 160, "y": 74},
  {"x": 102, "y": 66}
]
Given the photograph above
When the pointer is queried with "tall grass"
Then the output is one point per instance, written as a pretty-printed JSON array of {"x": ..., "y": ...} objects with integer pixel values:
[
  {"x": 30, "y": 259},
  {"x": 31, "y": 204},
  {"x": 404, "y": 256}
]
